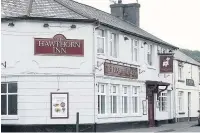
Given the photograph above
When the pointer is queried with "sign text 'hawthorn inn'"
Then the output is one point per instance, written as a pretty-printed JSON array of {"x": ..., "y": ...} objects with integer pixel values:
[
  {"x": 59, "y": 45},
  {"x": 116, "y": 70}
]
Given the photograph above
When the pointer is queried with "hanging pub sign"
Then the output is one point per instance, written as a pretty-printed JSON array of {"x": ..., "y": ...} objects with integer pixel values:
[
  {"x": 58, "y": 45},
  {"x": 116, "y": 70},
  {"x": 166, "y": 63},
  {"x": 59, "y": 105}
]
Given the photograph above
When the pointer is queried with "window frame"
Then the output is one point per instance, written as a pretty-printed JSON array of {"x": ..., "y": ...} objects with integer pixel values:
[
  {"x": 102, "y": 94},
  {"x": 150, "y": 53},
  {"x": 112, "y": 42},
  {"x": 162, "y": 96},
  {"x": 133, "y": 47},
  {"x": 8, "y": 116},
  {"x": 104, "y": 41},
  {"x": 123, "y": 97},
  {"x": 180, "y": 71},
  {"x": 199, "y": 74},
  {"x": 111, "y": 95},
  {"x": 135, "y": 95},
  {"x": 180, "y": 99}
]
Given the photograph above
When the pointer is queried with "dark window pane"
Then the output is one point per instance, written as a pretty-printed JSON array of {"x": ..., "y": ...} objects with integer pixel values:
[
  {"x": 114, "y": 104},
  {"x": 12, "y": 104},
  {"x": 3, "y": 88},
  {"x": 98, "y": 104},
  {"x": 3, "y": 105},
  {"x": 103, "y": 103},
  {"x": 12, "y": 87}
]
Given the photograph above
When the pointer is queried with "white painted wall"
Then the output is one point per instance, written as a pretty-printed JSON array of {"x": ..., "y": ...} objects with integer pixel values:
[
  {"x": 37, "y": 76},
  {"x": 151, "y": 73},
  {"x": 181, "y": 86},
  {"x": 75, "y": 73}
]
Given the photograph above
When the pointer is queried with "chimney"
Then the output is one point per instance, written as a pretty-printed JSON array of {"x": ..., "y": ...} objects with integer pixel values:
[{"x": 129, "y": 12}]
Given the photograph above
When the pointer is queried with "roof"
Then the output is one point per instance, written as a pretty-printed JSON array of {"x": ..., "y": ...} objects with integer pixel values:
[
  {"x": 70, "y": 9},
  {"x": 180, "y": 56}
]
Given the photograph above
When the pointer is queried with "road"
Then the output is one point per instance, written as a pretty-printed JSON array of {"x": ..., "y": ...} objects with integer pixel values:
[{"x": 176, "y": 127}]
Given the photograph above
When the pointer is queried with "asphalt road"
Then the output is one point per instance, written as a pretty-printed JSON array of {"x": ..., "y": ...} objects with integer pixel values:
[{"x": 176, "y": 127}]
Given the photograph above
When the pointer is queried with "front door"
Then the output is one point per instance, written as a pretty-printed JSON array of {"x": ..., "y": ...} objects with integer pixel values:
[
  {"x": 189, "y": 105},
  {"x": 151, "y": 109}
]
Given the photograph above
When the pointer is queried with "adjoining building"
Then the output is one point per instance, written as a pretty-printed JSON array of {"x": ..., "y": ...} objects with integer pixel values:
[
  {"x": 61, "y": 58},
  {"x": 187, "y": 87}
]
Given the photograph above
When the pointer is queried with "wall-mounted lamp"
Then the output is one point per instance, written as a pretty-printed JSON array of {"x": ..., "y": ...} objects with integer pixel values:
[
  {"x": 46, "y": 25},
  {"x": 73, "y": 26},
  {"x": 165, "y": 76},
  {"x": 125, "y": 38},
  {"x": 141, "y": 71},
  {"x": 4, "y": 64},
  {"x": 11, "y": 24},
  {"x": 170, "y": 51},
  {"x": 142, "y": 46}
]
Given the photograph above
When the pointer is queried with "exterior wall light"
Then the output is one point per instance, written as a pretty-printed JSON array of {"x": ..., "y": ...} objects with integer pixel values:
[
  {"x": 46, "y": 25},
  {"x": 73, "y": 26},
  {"x": 11, "y": 24},
  {"x": 126, "y": 38}
]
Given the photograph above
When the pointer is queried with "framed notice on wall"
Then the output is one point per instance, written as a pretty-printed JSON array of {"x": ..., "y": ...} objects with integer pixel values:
[
  {"x": 59, "y": 105},
  {"x": 144, "y": 107}
]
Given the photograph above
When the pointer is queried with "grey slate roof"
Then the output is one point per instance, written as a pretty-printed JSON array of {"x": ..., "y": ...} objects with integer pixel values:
[
  {"x": 71, "y": 10},
  {"x": 183, "y": 57}
]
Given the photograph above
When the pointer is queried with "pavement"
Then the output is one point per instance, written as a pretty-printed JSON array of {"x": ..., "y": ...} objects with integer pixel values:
[{"x": 176, "y": 127}]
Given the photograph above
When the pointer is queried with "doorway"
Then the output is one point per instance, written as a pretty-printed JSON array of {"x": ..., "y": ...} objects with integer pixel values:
[{"x": 189, "y": 105}]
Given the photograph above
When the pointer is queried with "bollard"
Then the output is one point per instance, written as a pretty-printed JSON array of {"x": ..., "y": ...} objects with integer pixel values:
[{"x": 77, "y": 122}]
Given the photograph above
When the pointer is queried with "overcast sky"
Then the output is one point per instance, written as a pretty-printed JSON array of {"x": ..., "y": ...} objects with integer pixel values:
[{"x": 174, "y": 21}]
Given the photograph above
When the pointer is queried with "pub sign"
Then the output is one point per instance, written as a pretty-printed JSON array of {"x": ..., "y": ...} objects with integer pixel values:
[
  {"x": 166, "y": 63},
  {"x": 58, "y": 45},
  {"x": 116, "y": 70}
]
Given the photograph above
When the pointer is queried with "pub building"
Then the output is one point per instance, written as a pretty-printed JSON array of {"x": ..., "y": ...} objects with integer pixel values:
[{"x": 67, "y": 66}]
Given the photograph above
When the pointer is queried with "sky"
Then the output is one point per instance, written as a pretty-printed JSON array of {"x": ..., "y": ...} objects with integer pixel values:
[{"x": 174, "y": 21}]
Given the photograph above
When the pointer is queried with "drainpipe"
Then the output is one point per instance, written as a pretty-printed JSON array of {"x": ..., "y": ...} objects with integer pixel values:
[
  {"x": 174, "y": 89},
  {"x": 94, "y": 70}
]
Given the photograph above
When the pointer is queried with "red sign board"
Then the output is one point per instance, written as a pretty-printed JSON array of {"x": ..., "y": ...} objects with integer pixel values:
[
  {"x": 58, "y": 45},
  {"x": 166, "y": 63},
  {"x": 120, "y": 71}
]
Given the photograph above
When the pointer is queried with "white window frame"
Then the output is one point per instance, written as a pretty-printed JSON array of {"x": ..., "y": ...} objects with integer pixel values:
[
  {"x": 150, "y": 54},
  {"x": 125, "y": 93},
  {"x": 180, "y": 71},
  {"x": 7, "y": 116},
  {"x": 114, "y": 93},
  {"x": 163, "y": 102},
  {"x": 199, "y": 75},
  {"x": 134, "y": 46},
  {"x": 113, "y": 45},
  {"x": 104, "y": 41},
  {"x": 199, "y": 100},
  {"x": 135, "y": 94},
  {"x": 102, "y": 92},
  {"x": 180, "y": 101}
]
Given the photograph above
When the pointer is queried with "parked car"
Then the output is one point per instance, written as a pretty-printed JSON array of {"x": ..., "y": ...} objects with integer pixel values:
[{"x": 199, "y": 117}]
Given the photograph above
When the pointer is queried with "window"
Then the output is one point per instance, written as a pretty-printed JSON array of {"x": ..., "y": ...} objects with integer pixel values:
[
  {"x": 150, "y": 55},
  {"x": 180, "y": 71},
  {"x": 8, "y": 98},
  {"x": 125, "y": 100},
  {"x": 134, "y": 50},
  {"x": 180, "y": 101},
  {"x": 163, "y": 102},
  {"x": 113, "y": 99},
  {"x": 113, "y": 45},
  {"x": 101, "y": 99},
  {"x": 100, "y": 41},
  {"x": 135, "y": 99},
  {"x": 199, "y": 100},
  {"x": 199, "y": 74}
]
